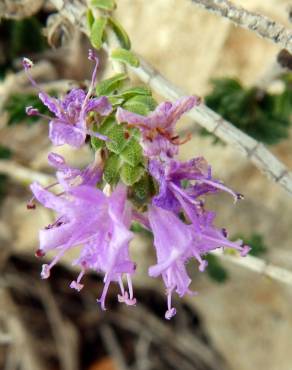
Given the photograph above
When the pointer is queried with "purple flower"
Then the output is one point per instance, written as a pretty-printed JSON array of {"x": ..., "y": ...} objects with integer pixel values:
[
  {"x": 100, "y": 224},
  {"x": 70, "y": 125},
  {"x": 170, "y": 176},
  {"x": 172, "y": 241},
  {"x": 158, "y": 136},
  {"x": 176, "y": 242},
  {"x": 68, "y": 176}
]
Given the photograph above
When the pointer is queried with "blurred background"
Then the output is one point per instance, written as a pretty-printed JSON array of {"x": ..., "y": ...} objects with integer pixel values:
[{"x": 240, "y": 320}]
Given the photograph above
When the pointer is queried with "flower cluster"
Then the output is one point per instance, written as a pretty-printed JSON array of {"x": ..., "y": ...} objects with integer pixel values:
[{"x": 96, "y": 216}]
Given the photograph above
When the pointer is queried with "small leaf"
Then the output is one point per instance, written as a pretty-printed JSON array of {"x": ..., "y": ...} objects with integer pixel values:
[
  {"x": 111, "y": 84},
  {"x": 120, "y": 33},
  {"x": 140, "y": 104},
  {"x": 108, "y": 5},
  {"x": 97, "y": 32},
  {"x": 132, "y": 153},
  {"x": 125, "y": 56},
  {"x": 111, "y": 169},
  {"x": 89, "y": 18},
  {"x": 117, "y": 138},
  {"x": 130, "y": 175},
  {"x": 133, "y": 91}
]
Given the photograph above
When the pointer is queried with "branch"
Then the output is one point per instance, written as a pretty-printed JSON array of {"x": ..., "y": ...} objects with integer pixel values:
[
  {"x": 24, "y": 175},
  {"x": 258, "y": 265},
  {"x": 261, "y": 25}
]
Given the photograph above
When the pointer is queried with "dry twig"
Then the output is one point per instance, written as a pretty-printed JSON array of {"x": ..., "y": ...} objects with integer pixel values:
[
  {"x": 258, "y": 265},
  {"x": 24, "y": 175},
  {"x": 261, "y": 25}
]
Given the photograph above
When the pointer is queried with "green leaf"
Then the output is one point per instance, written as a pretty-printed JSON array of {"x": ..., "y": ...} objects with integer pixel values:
[
  {"x": 89, "y": 18},
  {"x": 111, "y": 84},
  {"x": 142, "y": 190},
  {"x": 132, "y": 152},
  {"x": 262, "y": 115},
  {"x": 215, "y": 270},
  {"x": 125, "y": 56},
  {"x": 117, "y": 138},
  {"x": 97, "y": 32},
  {"x": 5, "y": 153},
  {"x": 140, "y": 104},
  {"x": 130, "y": 175},
  {"x": 115, "y": 100},
  {"x": 107, "y": 5},
  {"x": 133, "y": 91},
  {"x": 103, "y": 129},
  {"x": 120, "y": 33},
  {"x": 111, "y": 173}
]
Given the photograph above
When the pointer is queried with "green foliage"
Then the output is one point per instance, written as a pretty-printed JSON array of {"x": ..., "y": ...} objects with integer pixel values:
[
  {"x": 111, "y": 169},
  {"x": 97, "y": 32},
  {"x": 89, "y": 18},
  {"x": 262, "y": 115},
  {"x": 120, "y": 33},
  {"x": 133, "y": 91},
  {"x": 130, "y": 175},
  {"x": 215, "y": 270},
  {"x": 5, "y": 153},
  {"x": 107, "y": 5},
  {"x": 111, "y": 85},
  {"x": 125, "y": 56},
  {"x": 16, "y": 104},
  {"x": 140, "y": 104},
  {"x": 18, "y": 38}
]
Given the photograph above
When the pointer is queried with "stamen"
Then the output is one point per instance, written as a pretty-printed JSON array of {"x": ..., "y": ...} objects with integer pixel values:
[
  {"x": 30, "y": 204},
  {"x": 39, "y": 253},
  {"x": 27, "y": 63},
  {"x": 91, "y": 56},
  {"x": 46, "y": 269},
  {"x": 171, "y": 311},
  {"x": 76, "y": 284},
  {"x": 104, "y": 293},
  {"x": 245, "y": 250},
  {"x": 31, "y": 111},
  {"x": 221, "y": 187}
]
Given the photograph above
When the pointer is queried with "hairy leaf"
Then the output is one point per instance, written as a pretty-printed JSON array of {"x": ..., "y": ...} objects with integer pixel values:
[{"x": 108, "y": 86}]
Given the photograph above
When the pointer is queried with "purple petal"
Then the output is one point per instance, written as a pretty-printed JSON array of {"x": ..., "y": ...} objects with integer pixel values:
[
  {"x": 63, "y": 133},
  {"x": 100, "y": 105}
]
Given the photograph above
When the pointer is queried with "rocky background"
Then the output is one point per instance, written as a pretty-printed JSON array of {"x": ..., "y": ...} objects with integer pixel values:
[{"x": 248, "y": 318}]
